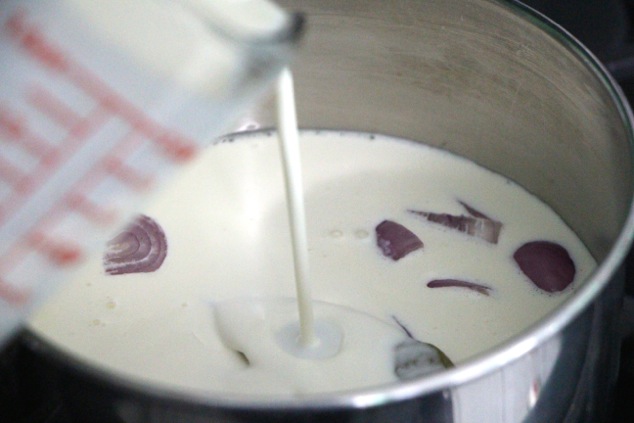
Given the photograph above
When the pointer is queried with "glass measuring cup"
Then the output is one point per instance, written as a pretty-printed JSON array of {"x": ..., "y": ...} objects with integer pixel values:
[{"x": 100, "y": 102}]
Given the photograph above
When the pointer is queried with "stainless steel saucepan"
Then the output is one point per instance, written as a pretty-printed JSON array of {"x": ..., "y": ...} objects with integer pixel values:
[{"x": 497, "y": 83}]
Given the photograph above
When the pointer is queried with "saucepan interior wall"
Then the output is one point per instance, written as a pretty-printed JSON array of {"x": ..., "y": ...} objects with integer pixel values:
[{"x": 494, "y": 84}]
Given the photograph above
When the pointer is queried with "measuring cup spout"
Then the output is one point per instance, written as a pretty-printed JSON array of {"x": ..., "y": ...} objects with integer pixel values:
[{"x": 251, "y": 21}]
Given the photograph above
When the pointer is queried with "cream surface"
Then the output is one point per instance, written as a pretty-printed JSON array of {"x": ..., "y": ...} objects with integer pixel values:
[{"x": 228, "y": 241}]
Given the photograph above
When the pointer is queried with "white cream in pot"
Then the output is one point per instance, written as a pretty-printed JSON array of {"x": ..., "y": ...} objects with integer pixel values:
[{"x": 228, "y": 238}]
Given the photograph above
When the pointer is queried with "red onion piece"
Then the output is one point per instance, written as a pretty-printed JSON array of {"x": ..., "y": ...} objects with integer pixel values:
[
  {"x": 477, "y": 225},
  {"x": 395, "y": 240},
  {"x": 473, "y": 212},
  {"x": 547, "y": 264},
  {"x": 403, "y": 327},
  {"x": 458, "y": 283},
  {"x": 140, "y": 248}
]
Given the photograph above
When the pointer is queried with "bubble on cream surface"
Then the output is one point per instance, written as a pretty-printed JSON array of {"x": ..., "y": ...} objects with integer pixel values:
[{"x": 227, "y": 229}]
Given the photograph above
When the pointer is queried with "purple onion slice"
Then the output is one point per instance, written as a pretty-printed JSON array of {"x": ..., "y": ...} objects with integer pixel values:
[
  {"x": 458, "y": 283},
  {"x": 395, "y": 240},
  {"x": 140, "y": 248},
  {"x": 473, "y": 212},
  {"x": 403, "y": 327},
  {"x": 547, "y": 264},
  {"x": 477, "y": 224}
]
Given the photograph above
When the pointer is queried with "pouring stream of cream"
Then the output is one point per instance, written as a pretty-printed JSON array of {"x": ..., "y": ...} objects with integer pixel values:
[{"x": 291, "y": 162}]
